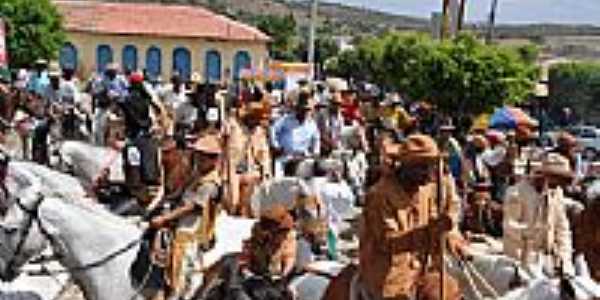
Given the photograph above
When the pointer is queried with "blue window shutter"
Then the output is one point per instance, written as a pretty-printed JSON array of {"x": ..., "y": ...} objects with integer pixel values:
[
  {"x": 153, "y": 62},
  {"x": 104, "y": 56},
  {"x": 130, "y": 58},
  {"x": 182, "y": 62}
]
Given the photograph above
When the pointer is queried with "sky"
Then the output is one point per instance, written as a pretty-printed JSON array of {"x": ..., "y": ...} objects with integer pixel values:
[{"x": 509, "y": 11}]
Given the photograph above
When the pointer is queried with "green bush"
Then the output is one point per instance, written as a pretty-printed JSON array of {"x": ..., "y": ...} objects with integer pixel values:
[{"x": 463, "y": 77}]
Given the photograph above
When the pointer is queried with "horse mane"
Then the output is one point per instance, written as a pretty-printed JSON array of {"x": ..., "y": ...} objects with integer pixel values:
[{"x": 88, "y": 205}]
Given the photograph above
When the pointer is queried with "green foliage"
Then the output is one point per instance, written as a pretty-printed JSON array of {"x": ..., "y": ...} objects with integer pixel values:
[
  {"x": 283, "y": 31},
  {"x": 576, "y": 85},
  {"x": 462, "y": 76},
  {"x": 35, "y": 30}
]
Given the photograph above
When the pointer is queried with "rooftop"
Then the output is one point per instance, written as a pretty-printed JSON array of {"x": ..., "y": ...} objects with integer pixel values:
[{"x": 153, "y": 20}]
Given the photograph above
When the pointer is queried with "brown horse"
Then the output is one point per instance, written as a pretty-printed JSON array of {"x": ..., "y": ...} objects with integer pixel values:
[{"x": 586, "y": 237}]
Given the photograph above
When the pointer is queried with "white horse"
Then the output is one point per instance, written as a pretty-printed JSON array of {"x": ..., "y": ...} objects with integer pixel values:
[
  {"x": 490, "y": 276},
  {"x": 94, "y": 246},
  {"x": 87, "y": 162}
]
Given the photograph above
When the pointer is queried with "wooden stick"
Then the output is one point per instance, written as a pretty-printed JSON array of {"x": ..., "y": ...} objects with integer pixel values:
[{"x": 441, "y": 203}]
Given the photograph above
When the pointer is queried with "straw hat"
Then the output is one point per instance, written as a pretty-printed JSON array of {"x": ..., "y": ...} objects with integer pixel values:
[
  {"x": 479, "y": 141},
  {"x": 196, "y": 77},
  {"x": 418, "y": 147},
  {"x": 209, "y": 144},
  {"x": 54, "y": 69},
  {"x": 280, "y": 215},
  {"x": 112, "y": 67},
  {"x": 555, "y": 164}
]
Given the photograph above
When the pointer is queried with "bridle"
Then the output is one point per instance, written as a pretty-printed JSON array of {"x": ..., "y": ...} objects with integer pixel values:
[
  {"x": 33, "y": 217},
  {"x": 33, "y": 214}
]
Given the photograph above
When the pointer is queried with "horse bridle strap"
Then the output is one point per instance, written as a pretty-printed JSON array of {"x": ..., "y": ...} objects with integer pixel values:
[{"x": 34, "y": 216}]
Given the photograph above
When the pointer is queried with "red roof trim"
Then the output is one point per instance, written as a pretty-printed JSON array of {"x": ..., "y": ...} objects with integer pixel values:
[{"x": 176, "y": 21}]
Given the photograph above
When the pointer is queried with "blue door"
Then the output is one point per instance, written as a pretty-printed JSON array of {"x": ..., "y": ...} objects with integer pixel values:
[
  {"x": 241, "y": 61},
  {"x": 129, "y": 58},
  {"x": 182, "y": 62},
  {"x": 153, "y": 62},
  {"x": 104, "y": 56},
  {"x": 213, "y": 66},
  {"x": 68, "y": 57}
]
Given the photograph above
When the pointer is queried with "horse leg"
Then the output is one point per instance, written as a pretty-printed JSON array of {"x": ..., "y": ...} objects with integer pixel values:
[{"x": 339, "y": 288}]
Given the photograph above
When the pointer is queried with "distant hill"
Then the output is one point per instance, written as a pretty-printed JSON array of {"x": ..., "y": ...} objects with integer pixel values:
[{"x": 349, "y": 20}]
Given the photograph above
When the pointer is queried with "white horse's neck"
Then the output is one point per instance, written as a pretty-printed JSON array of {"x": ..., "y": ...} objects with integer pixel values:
[{"x": 83, "y": 234}]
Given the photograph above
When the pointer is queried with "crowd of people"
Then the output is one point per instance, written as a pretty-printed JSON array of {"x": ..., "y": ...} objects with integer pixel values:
[{"x": 191, "y": 149}]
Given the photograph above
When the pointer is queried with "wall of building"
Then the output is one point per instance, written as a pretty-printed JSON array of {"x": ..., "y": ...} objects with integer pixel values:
[{"x": 87, "y": 44}]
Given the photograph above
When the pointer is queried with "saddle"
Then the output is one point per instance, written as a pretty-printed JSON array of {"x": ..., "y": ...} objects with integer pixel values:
[{"x": 148, "y": 271}]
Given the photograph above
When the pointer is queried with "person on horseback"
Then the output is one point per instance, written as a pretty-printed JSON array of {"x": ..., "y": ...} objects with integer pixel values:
[
  {"x": 192, "y": 213},
  {"x": 296, "y": 134},
  {"x": 536, "y": 227},
  {"x": 264, "y": 268},
  {"x": 107, "y": 89},
  {"x": 401, "y": 225},
  {"x": 141, "y": 157}
]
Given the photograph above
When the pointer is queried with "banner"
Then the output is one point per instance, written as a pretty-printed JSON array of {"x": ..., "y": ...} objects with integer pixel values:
[{"x": 3, "y": 51}]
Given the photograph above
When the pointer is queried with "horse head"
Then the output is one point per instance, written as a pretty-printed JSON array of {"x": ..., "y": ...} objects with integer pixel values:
[{"x": 21, "y": 235}]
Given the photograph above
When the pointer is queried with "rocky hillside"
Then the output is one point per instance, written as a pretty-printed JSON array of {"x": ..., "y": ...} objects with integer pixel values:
[
  {"x": 348, "y": 20},
  {"x": 345, "y": 19}
]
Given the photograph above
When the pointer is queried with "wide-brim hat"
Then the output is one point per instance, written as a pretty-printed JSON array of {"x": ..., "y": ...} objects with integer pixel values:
[
  {"x": 196, "y": 78},
  {"x": 112, "y": 67},
  {"x": 54, "y": 69},
  {"x": 418, "y": 147},
  {"x": 20, "y": 116},
  {"x": 208, "y": 144},
  {"x": 566, "y": 139},
  {"x": 480, "y": 141},
  {"x": 41, "y": 62},
  {"x": 255, "y": 111},
  {"x": 280, "y": 215},
  {"x": 556, "y": 165},
  {"x": 447, "y": 127}
]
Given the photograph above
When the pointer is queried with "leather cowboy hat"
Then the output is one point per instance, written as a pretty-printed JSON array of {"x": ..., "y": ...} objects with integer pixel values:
[
  {"x": 418, "y": 147},
  {"x": 556, "y": 165},
  {"x": 566, "y": 139},
  {"x": 280, "y": 215},
  {"x": 209, "y": 144}
]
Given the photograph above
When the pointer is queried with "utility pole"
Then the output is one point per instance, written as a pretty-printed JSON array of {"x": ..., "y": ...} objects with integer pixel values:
[
  {"x": 445, "y": 20},
  {"x": 461, "y": 15},
  {"x": 311, "y": 39},
  {"x": 490, "y": 34}
]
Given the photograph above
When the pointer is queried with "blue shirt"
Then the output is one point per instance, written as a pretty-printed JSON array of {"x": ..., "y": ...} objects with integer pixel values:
[
  {"x": 38, "y": 83},
  {"x": 293, "y": 137}
]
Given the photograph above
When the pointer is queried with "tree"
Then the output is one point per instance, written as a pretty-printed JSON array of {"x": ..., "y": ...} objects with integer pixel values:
[
  {"x": 34, "y": 30},
  {"x": 576, "y": 85},
  {"x": 283, "y": 32},
  {"x": 461, "y": 76}
]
